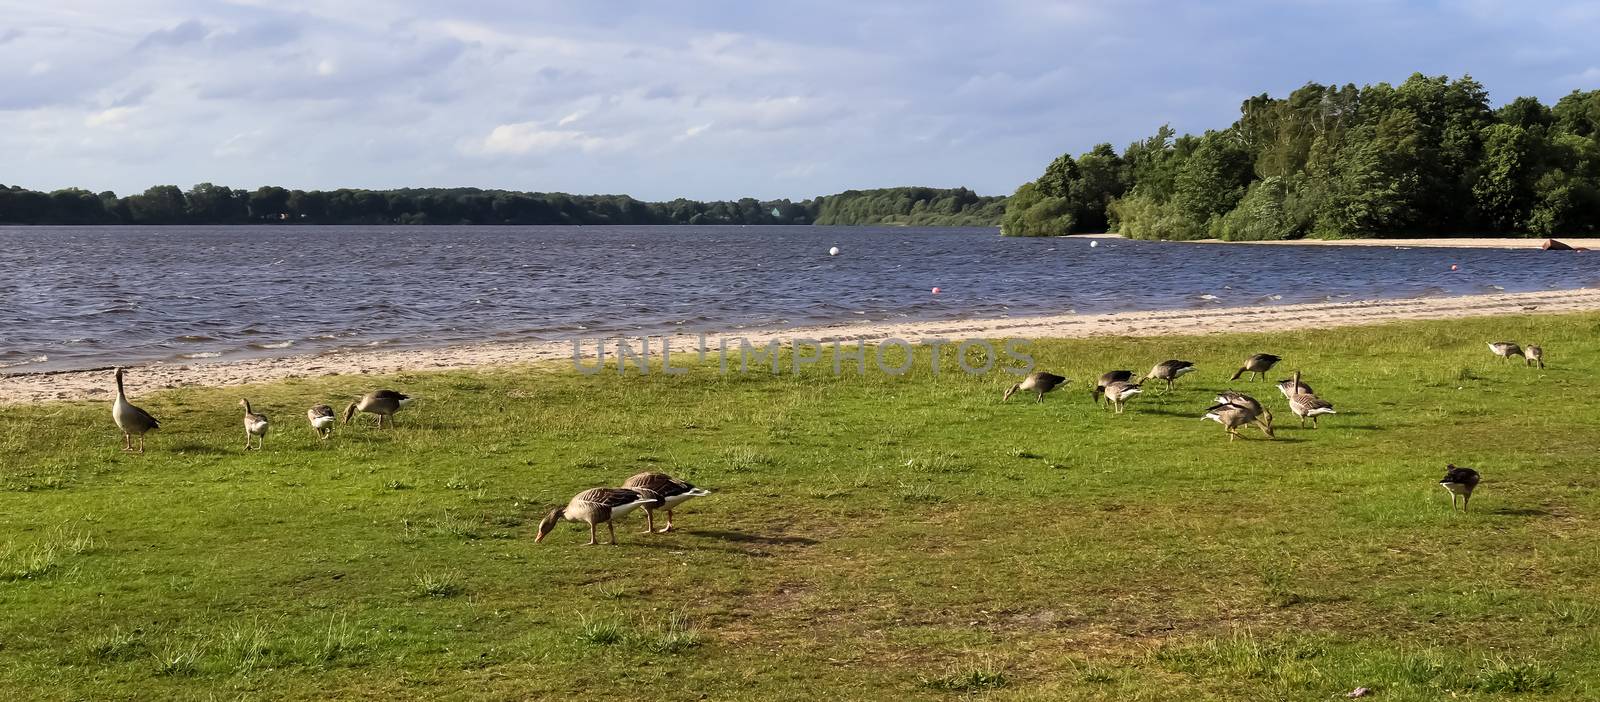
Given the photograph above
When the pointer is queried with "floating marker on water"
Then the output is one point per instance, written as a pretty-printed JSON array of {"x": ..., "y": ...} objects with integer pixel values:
[
  {"x": 1093, "y": 244},
  {"x": 1452, "y": 266},
  {"x": 833, "y": 251},
  {"x": 936, "y": 291}
]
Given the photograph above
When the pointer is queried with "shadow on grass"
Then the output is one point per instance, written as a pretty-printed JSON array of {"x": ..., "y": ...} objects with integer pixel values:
[
  {"x": 1521, "y": 512},
  {"x": 201, "y": 449},
  {"x": 741, "y": 537}
]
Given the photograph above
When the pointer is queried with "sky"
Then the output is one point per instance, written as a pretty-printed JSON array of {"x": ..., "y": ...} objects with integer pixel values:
[{"x": 705, "y": 100}]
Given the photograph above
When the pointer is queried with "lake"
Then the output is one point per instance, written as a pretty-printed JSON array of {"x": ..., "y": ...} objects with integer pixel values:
[{"x": 81, "y": 297}]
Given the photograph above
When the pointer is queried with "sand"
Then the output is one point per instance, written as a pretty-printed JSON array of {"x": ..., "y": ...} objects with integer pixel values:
[
  {"x": 1443, "y": 242},
  {"x": 97, "y": 384}
]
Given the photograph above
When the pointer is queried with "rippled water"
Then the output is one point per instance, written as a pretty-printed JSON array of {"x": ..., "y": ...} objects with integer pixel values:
[{"x": 78, "y": 297}]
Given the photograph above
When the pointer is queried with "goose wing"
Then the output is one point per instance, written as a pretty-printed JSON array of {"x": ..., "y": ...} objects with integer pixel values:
[
  {"x": 659, "y": 483},
  {"x": 1306, "y": 402},
  {"x": 1045, "y": 381},
  {"x": 319, "y": 411},
  {"x": 1116, "y": 376},
  {"x": 388, "y": 395},
  {"x": 610, "y": 497},
  {"x": 1456, "y": 474},
  {"x": 143, "y": 417}
]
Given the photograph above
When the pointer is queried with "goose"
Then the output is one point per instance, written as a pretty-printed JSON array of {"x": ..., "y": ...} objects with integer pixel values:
[
  {"x": 595, "y": 506},
  {"x": 1232, "y": 416},
  {"x": 254, "y": 425},
  {"x": 1170, "y": 371},
  {"x": 383, "y": 403},
  {"x": 1230, "y": 397},
  {"x": 667, "y": 493},
  {"x": 1039, "y": 382},
  {"x": 1107, "y": 378},
  {"x": 1306, "y": 405},
  {"x": 322, "y": 420},
  {"x": 1459, "y": 481},
  {"x": 131, "y": 420},
  {"x": 1505, "y": 349},
  {"x": 1257, "y": 366},
  {"x": 1118, "y": 393},
  {"x": 1533, "y": 355},
  {"x": 1290, "y": 388}
]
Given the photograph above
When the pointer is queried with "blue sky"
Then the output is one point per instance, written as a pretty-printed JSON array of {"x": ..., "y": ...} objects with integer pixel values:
[{"x": 705, "y": 100}]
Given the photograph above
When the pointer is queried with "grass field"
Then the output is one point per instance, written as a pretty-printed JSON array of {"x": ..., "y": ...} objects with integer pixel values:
[{"x": 870, "y": 537}]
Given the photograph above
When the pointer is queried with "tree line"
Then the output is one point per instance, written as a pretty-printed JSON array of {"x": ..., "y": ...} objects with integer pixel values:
[
  {"x": 208, "y": 203},
  {"x": 1427, "y": 157}
]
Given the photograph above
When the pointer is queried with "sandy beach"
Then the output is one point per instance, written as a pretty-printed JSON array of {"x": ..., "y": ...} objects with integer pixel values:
[
  {"x": 96, "y": 384},
  {"x": 1441, "y": 242}
]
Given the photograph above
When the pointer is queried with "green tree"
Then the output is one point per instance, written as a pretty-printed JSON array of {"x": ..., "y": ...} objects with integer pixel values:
[{"x": 1031, "y": 212}]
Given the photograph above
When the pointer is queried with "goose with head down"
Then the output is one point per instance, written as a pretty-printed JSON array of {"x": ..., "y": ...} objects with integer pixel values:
[
  {"x": 383, "y": 403},
  {"x": 1235, "y": 409},
  {"x": 1505, "y": 349},
  {"x": 1257, "y": 366},
  {"x": 1107, "y": 378},
  {"x": 594, "y": 507},
  {"x": 322, "y": 420},
  {"x": 1171, "y": 370},
  {"x": 666, "y": 492},
  {"x": 1533, "y": 355},
  {"x": 1118, "y": 393},
  {"x": 1459, "y": 481},
  {"x": 1038, "y": 382}
]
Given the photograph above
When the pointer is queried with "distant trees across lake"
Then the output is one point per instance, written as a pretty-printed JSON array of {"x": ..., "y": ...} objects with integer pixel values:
[
  {"x": 1426, "y": 157},
  {"x": 207, "y": 203}
]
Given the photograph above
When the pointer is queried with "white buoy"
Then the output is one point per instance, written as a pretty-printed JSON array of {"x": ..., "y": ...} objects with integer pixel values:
[
  {"x": 1093, "y": 244},
  {"x": 833, "y": 251}
]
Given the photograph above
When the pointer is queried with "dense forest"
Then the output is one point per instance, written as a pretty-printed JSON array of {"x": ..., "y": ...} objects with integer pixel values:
[
  {"x": 216, "y": 204},
  {"x": 1426, "y": 157}
]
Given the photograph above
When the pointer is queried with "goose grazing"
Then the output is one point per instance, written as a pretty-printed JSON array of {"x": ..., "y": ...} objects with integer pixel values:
[
  {"x": 1306, "y": 405},
  {"x": 131, "y": 420},
  {"x": 666, "y": 492},
  {"x": 594, "y": 507},
  {"x": 254, "y": 425},
  {"x": 1459, "y": 481},
  {"x": 1257, "y": 366},
  {"x": 1505, "y": 349},
  {"x": 1171, "y": 370},
  {"x": 1230, "y": 397},
  {"x": 1118, "y": 393},
  {"x": 1534, "y": 355},
  {"x": 1107, "y": 378},
  {"x": 383, "y": 403},
  {"x": 1038, "y": 382},
  {"x": 322, "y": 420},
  {"x": 1233, "y": 415},
  {"x": 1290, "y": 388}
]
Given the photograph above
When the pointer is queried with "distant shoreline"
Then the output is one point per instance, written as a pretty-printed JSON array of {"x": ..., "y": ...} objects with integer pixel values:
[
  {"x": 1459, "y": 242},
  {"x": 95, "y": 384}
]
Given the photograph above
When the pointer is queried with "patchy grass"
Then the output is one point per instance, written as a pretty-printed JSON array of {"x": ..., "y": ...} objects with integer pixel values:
[{"x": 869, "y": 536}]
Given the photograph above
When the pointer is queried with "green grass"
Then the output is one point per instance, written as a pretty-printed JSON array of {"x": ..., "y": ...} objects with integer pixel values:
[{"x": 869, "y": 537}]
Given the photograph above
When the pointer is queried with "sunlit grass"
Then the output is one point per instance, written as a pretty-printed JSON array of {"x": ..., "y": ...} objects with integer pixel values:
[{"x": 869, "y": 537}]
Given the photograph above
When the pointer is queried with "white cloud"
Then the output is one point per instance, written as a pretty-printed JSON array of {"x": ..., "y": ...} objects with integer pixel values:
[
  {"x": 114, "y": 117},
  {"x": 530, "y": 137}
]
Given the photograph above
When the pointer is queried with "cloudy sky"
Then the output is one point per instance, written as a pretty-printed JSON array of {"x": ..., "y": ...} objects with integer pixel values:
[{"x": 696, "y": 99}]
